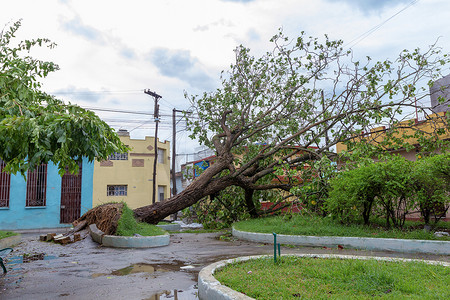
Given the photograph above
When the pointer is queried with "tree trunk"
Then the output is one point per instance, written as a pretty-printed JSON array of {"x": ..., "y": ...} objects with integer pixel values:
[
  {"x": 249, "y": 203},
  {"x": 201, "y": 187}
]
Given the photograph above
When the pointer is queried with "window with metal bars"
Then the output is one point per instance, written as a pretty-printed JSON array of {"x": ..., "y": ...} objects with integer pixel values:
[
  {"x": 116, "y": 190},
  {"x": 37, "y": 186},
  {"x": 118, "y": 156},
  {"x": 161, "y": 154},
  {"x": 5, "y": 185}
]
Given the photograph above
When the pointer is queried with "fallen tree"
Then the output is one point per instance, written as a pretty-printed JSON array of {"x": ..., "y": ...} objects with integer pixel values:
[{"x": 287, "y": 108}]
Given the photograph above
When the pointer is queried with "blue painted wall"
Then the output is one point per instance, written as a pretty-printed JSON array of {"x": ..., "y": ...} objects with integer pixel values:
[{"x": 18, "y": 216}]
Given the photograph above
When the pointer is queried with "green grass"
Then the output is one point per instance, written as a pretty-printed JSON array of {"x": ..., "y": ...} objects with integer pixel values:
[
  {"x": 5, "y": 234},
  {"x": 128, "y": 226},
  {"x": 317, "y": 226},
  {"x": 315, "y": 278}
]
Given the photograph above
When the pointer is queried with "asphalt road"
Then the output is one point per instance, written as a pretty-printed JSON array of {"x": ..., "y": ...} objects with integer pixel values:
[{"x": 85, "y": 270}]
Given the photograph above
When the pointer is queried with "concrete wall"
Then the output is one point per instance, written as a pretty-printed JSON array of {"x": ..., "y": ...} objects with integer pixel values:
[
  {"x": 440, "y": 89},
  {"x": 18, "y": 216},
  {"x": 136, "y": 173}
]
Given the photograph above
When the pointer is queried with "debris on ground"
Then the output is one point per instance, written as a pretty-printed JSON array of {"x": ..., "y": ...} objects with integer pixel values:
[
  {"x": 189, "y": 225},
  {"x": 28, "y": 257},
  {"x": 63, "y": 239}
]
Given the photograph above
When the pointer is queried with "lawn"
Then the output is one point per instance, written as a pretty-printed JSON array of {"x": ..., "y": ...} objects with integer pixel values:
[
  {"x": 319, "y": 278},
  {"x": 128, "y": 226},
  {"x": 318, "y": 226},
  {"x": 5, "y": 234}
]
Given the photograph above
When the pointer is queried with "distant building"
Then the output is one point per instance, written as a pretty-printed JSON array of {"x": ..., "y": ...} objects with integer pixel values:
[
  {"x": 440, "y": 89},
  {"x": 44, "y": 199},
  {"x": 128, "y": 176}
]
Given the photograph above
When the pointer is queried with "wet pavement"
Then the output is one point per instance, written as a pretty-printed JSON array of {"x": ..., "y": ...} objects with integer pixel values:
[{"x": 85, "y": 270}]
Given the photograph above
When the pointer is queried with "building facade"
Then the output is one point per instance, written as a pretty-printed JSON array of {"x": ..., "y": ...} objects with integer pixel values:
[
  {"x": 128, "y": 176},
  {"x": 44, "y": 199}
]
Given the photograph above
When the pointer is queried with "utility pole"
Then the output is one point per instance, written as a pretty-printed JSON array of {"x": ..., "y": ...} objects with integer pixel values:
[
  {"x": 174, "y": 136},
  {"x": 156, "y": 116},
  {"x": 327, "y": 139}
]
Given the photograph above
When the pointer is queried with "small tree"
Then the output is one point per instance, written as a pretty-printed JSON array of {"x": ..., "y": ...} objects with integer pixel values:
[
  {"x": 353, "y": 193},
  {"x": 35, "y": 127},
  {"x": 431, "y": 183},
  {"x": 396, "y": 193}
]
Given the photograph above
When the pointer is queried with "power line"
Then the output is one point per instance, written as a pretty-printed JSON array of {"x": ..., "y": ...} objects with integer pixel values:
[
  {"x": 95, "y": 92},
  {"x": 369, "y": 32},
  {"x": 147, "y": 113}
]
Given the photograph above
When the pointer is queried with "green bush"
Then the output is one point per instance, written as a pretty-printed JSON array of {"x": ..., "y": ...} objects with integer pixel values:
[
  {"x": 352, "y": 194},
  {"x": 383, "y": 189},
  {"x": 431, "y": 182},
  {"x": 392, "y": 189}
]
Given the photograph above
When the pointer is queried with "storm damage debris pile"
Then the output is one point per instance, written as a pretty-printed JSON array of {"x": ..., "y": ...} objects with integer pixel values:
[{"x": 60, "y": 238}]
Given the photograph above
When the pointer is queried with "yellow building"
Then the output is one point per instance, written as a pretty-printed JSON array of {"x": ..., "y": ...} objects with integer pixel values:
[
  {"x": 430, "y": 125},
  {"x": 128, "y": 176}
]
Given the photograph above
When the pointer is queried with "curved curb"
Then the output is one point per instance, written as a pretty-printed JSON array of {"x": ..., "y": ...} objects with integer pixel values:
[
  {"x": 209, "y": 288},
  {"x": 170, "y": 227},
  {"x": 10, "y": 241},
  {"x": 128, "y": 241},
  {"x": 380, "y": 244}
]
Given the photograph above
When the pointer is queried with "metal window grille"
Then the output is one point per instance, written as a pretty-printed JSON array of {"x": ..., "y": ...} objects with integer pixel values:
[
  {"x": 118, "y": 156},
  {"x": 116, "y": 190},
  {"x": 161, "y": 193},
  {"x": 37, "y": 186},
  {"x": 5, "y": 185},
  {"x": 161, "y": 153}
]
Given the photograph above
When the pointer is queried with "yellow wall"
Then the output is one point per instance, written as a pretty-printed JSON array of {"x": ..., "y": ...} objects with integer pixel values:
[
  {"x": 136, "y": 173},
  {"x": 428, "y": 126}
]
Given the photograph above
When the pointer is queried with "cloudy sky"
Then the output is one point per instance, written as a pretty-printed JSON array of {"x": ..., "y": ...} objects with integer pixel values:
[{"x": 110, "y": 51}]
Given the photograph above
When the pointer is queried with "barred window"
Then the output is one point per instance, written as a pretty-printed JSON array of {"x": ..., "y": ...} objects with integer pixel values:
[
  {"x": 118, "y": 156},
  {"x": 5, "y": 184},
  {"x": 116, "y": 190},
  {"x": 161, "y": 154},
  {"x": 161, "y": 189},
  {"x": 37, "y": 186}
]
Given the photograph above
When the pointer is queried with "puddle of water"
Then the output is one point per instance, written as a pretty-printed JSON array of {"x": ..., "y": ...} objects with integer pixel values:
[
  {"x": 190, "y": 294},
  {"x": 14, "y": 260},
  {"x": 148, "y": 268}
]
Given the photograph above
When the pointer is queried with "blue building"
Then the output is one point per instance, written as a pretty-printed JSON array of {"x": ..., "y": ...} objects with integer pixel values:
[{"x": 45, "y": 199}]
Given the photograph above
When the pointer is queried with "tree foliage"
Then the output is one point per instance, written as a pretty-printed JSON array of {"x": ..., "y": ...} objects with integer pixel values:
[
  {"x": 392, "y": 189},
  {"x": 431, "y": 184},
  {"x": 37, "y": 128},
  {"x": 294, "y": 103}
]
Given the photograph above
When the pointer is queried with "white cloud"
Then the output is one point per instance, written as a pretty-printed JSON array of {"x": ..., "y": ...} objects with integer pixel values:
[{"x": 104, "y": 45}]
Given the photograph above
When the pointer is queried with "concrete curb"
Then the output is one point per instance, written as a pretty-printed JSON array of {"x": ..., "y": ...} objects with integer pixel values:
[
  {"x": 170, "y": 227},
  {"x": 10, "y": 241},
  {"x": 209, "y": 288},
  {"x": 128, "y": 241},
  {"x": 395, "y": 245}
]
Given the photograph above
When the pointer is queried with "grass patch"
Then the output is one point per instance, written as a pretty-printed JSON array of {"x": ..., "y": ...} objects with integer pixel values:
[
  {"x": 128, "y": 226},
  {"x": 315, "y": 278},
  {"x": 318, "y": 226},
  {"x": 5, "y": 234}
]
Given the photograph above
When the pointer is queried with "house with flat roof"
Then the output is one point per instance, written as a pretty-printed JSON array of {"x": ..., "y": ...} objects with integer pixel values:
[{"x": 128, "y": 176}]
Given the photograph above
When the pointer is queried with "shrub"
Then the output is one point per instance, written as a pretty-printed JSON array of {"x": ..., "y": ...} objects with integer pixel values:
[
  {"x": 383, "y": 187},
  {"x": 431, "y": 183}
]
